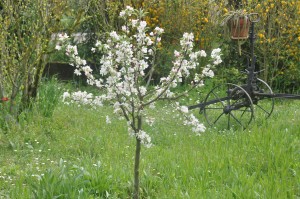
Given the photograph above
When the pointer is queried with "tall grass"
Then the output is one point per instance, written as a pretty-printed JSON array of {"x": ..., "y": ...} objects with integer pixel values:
[
  {"x": 49, "y": 94},
  {"x": 75, "y": 154}
]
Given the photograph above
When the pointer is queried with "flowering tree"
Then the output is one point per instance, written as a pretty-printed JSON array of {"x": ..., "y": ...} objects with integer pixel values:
[{"x": 127, "y": 66}]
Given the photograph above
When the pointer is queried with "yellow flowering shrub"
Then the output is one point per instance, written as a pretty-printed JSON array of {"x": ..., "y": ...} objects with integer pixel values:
[
  {"x": 180, "y": 16},
  {"x": 277, "y": 33},
  {"x": 278, "y": 41}
]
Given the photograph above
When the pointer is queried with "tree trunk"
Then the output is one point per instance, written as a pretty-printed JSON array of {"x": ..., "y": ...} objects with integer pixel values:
[
  {"x": 137, "y": 169},
  {"x": 31, "y": 87}
]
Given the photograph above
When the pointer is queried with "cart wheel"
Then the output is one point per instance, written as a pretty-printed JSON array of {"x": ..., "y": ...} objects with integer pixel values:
[
  {"x": 263, "y": 105},
  {"x": 228, "y": 106}
]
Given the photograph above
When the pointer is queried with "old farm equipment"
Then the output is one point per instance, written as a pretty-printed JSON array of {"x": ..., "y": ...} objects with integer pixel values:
[{"x": 230, "y": 105}]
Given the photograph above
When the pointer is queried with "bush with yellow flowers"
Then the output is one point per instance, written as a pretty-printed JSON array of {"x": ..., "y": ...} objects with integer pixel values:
[
  {"x": 278, "y": 32},
  {"x": 278, "y": 42},
  {"x": 180, "y": 16}
]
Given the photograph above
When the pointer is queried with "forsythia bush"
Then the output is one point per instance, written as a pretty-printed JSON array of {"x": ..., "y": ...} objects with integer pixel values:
[
  {"x": 279, "y": 41},
  {"x": 278, "y": 32},
  {"x": 176, "y": 17}
]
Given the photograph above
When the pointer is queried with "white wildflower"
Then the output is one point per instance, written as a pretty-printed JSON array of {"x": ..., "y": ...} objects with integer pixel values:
[
  {"x": 66, "y": 95},
  {"x": 107, "y": 119}
]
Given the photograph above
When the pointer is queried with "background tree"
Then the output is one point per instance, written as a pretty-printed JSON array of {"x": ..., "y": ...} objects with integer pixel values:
[{"x": 26, "y": 40}]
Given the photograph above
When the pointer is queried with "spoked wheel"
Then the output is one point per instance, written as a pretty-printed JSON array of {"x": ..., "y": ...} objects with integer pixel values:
[
  {"x": 263, "y": 105},
  {"x": 228, "y": 106}
]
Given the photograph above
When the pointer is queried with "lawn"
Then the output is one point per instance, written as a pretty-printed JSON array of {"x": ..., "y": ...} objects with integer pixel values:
[{"x": 75, "y": 154}]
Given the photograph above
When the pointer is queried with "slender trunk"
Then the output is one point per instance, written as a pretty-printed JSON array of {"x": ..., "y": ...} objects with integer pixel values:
[
  {"x": 25, "y": 100},
  {"x": 2, "y": 93},
  {"x": 106, "y": 13},
  {"x": 137, "y": 161},
  {"x": 137, "y": 169},
  {"x": 33, "y": 87},
  {"x": 16, "y": 85}
]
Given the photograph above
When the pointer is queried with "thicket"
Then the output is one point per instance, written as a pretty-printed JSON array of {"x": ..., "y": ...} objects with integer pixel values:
[
  {"x": 278, "y": 33},
  {"x": 27, "y": 30}
]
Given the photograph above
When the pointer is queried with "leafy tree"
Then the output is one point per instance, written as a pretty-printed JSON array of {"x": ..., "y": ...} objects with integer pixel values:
[{"x": 26, "y": 40}]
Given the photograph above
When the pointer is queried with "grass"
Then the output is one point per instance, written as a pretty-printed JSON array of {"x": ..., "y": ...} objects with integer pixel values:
[{"x": 75, "y": 154}]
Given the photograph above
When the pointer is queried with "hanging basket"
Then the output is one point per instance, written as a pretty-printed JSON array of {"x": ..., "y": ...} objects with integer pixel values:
[{"x": 239, "y": 28}]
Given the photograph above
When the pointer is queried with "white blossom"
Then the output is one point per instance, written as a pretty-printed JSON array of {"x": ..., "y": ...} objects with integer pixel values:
[
  {"x": 143, "y": 90},
  {"x": 87, "y": 70},
  {"x": 57, "y": 47},
  {"x": 134, "y": 22},
  {"x": 215, "y": 52},
  {"x": 145, "y": 138},
  {"x": 208, "y": 72},
  {"x": 202, "y": 53},
  {"x": 77, "y": 72},
  {"x": 217, "y": 61},
  {"x": 158, "y": 30},
  {"x": 176, "y": 53},
  {"x": 129, "y": 8},
  {"x": 114, "y": 35},
  {"x": 143, "y": 25},
  {"x": 122, "y": 13},
  {"x": 98, "y": 43},
  {"x": 62, "y": 36},
  {"x": 127, "y": 63},
  {"x": 216, "y": 56},
  {"x": 184, "y": 109}
]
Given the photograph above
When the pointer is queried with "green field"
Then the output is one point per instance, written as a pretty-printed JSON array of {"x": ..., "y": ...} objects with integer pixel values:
[{"x": 75, "y": 154}]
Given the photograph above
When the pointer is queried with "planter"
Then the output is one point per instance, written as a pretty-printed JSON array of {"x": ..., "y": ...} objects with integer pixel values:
[{"x": 239, "y": 28}]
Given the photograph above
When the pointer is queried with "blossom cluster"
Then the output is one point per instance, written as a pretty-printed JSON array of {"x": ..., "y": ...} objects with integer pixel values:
[
  {"x": 190, "y": 119},
  {"x": 83, "y": 97},
  {"x": 126, "y": 69}
]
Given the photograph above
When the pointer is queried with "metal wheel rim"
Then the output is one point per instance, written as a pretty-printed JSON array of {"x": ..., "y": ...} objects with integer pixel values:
[
  {"x": 231, "y": 118},
  {"x": 268, "y": 111}
]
